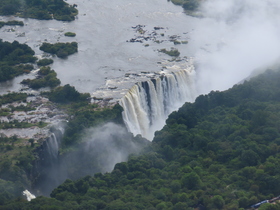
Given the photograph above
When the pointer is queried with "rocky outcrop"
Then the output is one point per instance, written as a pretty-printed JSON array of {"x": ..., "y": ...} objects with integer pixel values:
[{"x": 38, "y": 111}]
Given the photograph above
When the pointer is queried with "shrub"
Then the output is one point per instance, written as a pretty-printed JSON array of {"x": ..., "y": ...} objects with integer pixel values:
[
  {"x": 44, "y": 62},
  {"x": 46, "y": 78},
  {"x": 62, "y": 50},
  {"x": 70, "y": 34},
  {"x": 172, "y": 52}
]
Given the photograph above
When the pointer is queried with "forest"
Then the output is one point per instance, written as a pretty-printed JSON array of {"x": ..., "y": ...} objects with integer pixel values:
[
  {"x": 220, "y": 152},
  {"x": 39, "y": 9}
]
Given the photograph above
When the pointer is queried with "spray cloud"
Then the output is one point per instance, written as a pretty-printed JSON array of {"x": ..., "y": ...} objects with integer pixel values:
[
  {"x": 102, "y": 147},
  {"x": 234, "y": 38}
]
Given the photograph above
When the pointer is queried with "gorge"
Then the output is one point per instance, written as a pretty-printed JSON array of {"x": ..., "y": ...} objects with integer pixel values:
[{"x": 229, "y": 42}]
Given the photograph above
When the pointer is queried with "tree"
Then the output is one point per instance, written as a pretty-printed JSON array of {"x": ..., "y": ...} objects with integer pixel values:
[
  {"x": 191, "y": 180},
  {"x": 249, "y": 158},
  {"x": 190, "y": 4},
  {"x": 217, "y": 202}
]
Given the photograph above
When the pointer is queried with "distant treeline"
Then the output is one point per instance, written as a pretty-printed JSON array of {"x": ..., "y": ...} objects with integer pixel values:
[
  {"x": 12, "y": 59},
  {"x": 39, "y": 9}
]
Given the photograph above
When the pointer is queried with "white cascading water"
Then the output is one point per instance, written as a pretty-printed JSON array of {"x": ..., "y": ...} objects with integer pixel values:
[
  {"x": 29, "y": 195},
  {"x": 147, "y": 104},
  {"x": 53, "y": 146},
  {"x": 53, "y": 142}
]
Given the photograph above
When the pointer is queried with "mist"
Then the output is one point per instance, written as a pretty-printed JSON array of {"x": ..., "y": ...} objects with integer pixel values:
[
  {"x": 233, "y": 39},
  {"x": 100, "y": 149},
  {"x": 103, "y": 147}
]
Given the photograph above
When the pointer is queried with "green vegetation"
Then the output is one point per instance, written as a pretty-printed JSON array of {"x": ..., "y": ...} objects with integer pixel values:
[
  {"x": 15, "y": 167},
  {"x": 189, "y": 5},
  {"x": 20, "y": 108},
  {"x": 11, "y": 23},
  {"x": 39, "y": 9},
  {"x": 8, "y": 111},
  {"x": 17, "y": 124},
  {"x": 269, "y": 206},
  {"x": 61, "y": 50},
  {"x": 44, "y": 62},
  {"x": 71, "y": 34},
  {"x": 221, "y": 152},
  {"x": 46, "y": 78},
  {"x": 177, "y": 42},
  {"x": 12, "y": 57},
  {"x": 86, "y": 117},
  {"x": 67, "y": 94},
  {"x": 5, "y": 112},
  {"x": 13, "y": 97},
  {"x": 173, "y": 52},
  {"x": 180, "y": 42}
]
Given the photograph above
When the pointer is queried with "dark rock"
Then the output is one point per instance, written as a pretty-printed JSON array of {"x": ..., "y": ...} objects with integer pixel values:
[{"x": 158, "y": 28}]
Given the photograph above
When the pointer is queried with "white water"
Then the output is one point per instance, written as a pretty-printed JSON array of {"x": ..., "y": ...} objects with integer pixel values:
[
  {"x": 29, "y": 195},
  {"x": 54, "y": 141},
  {"x": 53, "y": 146},
  {"x": 148, "y": 104}
]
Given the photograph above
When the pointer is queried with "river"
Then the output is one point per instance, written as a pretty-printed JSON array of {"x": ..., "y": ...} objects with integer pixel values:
[
  {"x": 232, "y": 40},
  {"x": 103, "y": 34}
]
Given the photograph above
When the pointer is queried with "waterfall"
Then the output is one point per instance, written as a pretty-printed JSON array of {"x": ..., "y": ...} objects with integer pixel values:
[
  {"x": 52, "y": 144},
  {"x": 147, "y": 104},
  {"x": 28, "y": 195},
  {"x": 46, "y": 173}
]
